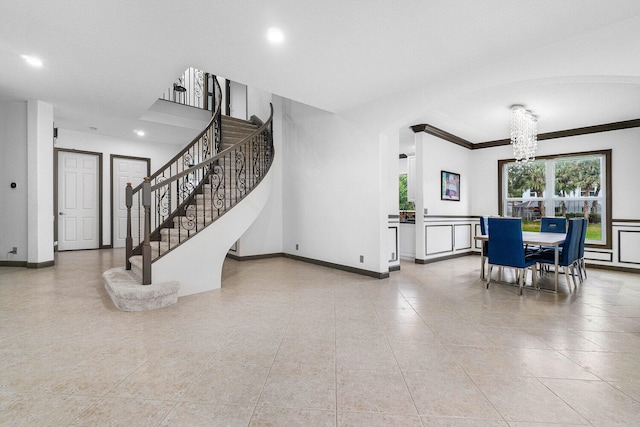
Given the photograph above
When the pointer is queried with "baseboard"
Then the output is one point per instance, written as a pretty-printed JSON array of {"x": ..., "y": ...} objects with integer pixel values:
[
  {"x": 614, "y": 268},
  {"x": 346, "y": 268},
  {"x": 394, "y": 268},
  {"x": 41, "y": 264},
  {"x": 106, "y": 247},
  {"x": 5, "y": 263},
  {"x": 255, "y": 257},
  {"x": 432, "y": 260}
]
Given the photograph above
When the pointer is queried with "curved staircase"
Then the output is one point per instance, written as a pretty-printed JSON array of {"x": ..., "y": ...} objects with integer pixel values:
[{"x": 184, "y": 218}]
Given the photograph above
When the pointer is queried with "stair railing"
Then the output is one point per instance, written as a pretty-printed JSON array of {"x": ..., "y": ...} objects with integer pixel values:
[
  {"x": 204, "y": 192},
  {"x": 193, "y": 88},
  {"x": 205, "y": 145}
]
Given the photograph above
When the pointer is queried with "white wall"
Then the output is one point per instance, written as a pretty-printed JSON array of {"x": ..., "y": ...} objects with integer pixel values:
[
  {"x": 40, "y": 183},
  {"x": 258, "y": 103},
  {"x": 439, "y": 155},
  {"x": 625, "y": 146},
  {"x": 332, "y": 198},
  {"x": 13, "y": 168},
  {"x": 264, "y": 236},
  {"x": 158, "y": 153}
]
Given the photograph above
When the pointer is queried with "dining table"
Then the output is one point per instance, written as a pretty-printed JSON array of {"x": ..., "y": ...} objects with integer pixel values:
[{"x": 535, "y": 238}]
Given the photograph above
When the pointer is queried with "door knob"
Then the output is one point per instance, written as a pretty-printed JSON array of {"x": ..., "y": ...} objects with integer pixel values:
[{"x": 60, "y": 213}]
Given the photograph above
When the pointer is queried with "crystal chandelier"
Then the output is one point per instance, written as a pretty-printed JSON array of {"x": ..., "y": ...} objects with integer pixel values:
[{"x": 524, "y": 134}]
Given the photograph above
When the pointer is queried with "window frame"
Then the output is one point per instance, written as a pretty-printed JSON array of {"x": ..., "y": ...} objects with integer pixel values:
[{"x": 608, "y": 244}]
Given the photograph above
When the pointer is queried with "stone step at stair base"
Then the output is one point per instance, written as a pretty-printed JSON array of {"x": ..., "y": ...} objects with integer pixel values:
[{"x": 128, "y": 294}]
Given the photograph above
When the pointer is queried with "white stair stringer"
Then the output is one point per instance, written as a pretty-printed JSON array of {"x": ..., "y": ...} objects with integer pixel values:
[{"x": 197, "y": 263}]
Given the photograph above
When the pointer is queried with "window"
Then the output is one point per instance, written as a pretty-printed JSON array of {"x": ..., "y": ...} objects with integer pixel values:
[
  {"x": 571, "y": 185},
  {"x": 405, "y": 204}
]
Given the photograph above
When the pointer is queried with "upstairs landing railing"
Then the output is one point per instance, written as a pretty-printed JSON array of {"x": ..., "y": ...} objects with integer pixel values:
[
  {"x": 194, "y": 88},
  {"x": 193, "y": 197}
]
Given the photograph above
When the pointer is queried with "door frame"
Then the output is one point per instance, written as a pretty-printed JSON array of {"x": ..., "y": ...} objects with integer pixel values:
[
  {"x": 145, "y": 159},
  {"x": 56, "y": 160}
]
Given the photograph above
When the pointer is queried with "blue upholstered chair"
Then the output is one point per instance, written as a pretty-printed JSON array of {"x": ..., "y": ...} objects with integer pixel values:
[
  {"x": 506, "y": 249},
  {"x": 484, "y": 230},
  {"x": 553, "y": 225},
  {"x": 582, "y": 268},
  {"x": 568, "y": 254}
]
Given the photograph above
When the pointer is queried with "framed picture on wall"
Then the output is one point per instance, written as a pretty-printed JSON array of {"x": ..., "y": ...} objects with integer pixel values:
[{"x": 450, "y": 186}]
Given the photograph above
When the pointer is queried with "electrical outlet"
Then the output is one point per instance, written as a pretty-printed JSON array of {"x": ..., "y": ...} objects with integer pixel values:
[
  {"x": 361, "y": 258},
  {"x": 296, "y": 246},
  {"x": 14, "y": 250}
]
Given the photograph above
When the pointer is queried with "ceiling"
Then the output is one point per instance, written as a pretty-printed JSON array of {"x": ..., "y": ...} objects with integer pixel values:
[{"x": 458, "y": 64}]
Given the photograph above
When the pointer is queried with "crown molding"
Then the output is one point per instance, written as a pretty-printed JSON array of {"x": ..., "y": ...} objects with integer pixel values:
[{"x": 607, "y": 127}]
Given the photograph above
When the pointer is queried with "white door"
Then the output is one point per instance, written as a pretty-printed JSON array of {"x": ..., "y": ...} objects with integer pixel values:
[
  {"x": 238, "y": 100},
  {"x": 78, "y": 203},
  {"x": 125, "y": 170}
]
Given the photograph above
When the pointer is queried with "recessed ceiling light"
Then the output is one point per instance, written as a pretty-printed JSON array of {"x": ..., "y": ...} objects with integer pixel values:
[
  {"x": 275, "y": 35},
  {"x": 33, "y": 61},
  {"x": 139, "y": 132}
]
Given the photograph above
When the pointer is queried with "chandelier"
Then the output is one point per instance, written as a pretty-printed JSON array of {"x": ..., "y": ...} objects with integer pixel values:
[{"x": 524, "y": 134}]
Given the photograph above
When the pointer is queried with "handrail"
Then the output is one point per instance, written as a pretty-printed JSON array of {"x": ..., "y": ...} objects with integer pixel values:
[
  {"x": 216, "y": 116},
  {"x": 195, "y": 195},
  {"x": 210, "y": 160},
  {"x": 198, "y": 189}
]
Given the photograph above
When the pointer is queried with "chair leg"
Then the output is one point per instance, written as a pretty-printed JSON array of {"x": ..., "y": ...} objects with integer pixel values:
[
  {"x": 481, "y": 266},
  {"x": 566, "y": 274},
  {"x": 521, "y": 280},
  {"x": 489, "y": 275},
  {"x": 578, "y": 270},
  {"x": 533, "y": 276}
]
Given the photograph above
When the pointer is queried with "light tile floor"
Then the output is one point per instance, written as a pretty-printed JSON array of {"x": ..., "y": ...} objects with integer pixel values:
[{"x": 288, "y": 343}]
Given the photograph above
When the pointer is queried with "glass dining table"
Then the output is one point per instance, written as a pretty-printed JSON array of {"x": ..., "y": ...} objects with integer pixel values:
[{"x": 539, "y": 239}]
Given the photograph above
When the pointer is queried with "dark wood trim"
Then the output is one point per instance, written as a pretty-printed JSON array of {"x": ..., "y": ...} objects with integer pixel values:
[
  {"x": 607, "y": 127},
  {"x": 148, "y": 160},
  {"x": 589, "y": 252},
  {"x": 40, "y": 264},
  {"x": 432, "y": 130},
  {"x": 394, "y": 268},
  {"x": 5, "y": 263},
  {"x": 452, "y": 216},
  {"x": 55, "y": 191},
  {"x": 614, "y": 268},
  {"x": 346, "y": 268},
  {"x": 227, "y": 100},
  {"x": 470, "y": 236},
  {"x": 625, "y": 220},
  {"x": 426, "y": 239},
  {"x": 620, "y": 246},
  {"x": 311, "y": 261},
  {"x": 443, "y": 258},
  {"x": 106, "y": 246},
  {"x": 396, "y": 254},
  {"x": 255, "y": 257}
]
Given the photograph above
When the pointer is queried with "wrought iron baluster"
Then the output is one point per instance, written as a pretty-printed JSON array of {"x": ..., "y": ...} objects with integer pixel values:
[{"x": 128, "y": 194}]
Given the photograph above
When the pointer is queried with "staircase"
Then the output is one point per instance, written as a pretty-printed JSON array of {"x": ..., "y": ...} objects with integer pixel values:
[
  {"x": 202, "y": 210},
  {"x": 184, "y": 218}
]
